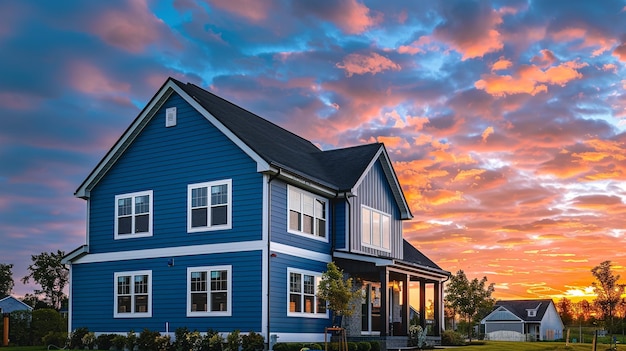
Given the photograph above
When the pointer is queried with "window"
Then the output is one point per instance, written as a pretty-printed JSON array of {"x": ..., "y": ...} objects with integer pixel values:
[
  {"x": 209, "y": 291},
  {"x": 209, "y": 206},
  {"x": 133, "y": 215},
  {"x": 133, "y": 291},
  {"x": 303, "y": 299},
  {"x": 375, "y": 229},
  {"x": 307, "y": 213}
]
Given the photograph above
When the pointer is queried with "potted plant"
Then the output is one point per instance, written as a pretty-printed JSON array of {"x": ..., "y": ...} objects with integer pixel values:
[{"x": 337, "y": 291}]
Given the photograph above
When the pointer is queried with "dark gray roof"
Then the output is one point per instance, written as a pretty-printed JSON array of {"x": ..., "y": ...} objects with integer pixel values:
[
  {"x": 413, "y": 255},
  {"x": 520, "y": 308},
  {"x": 337, "y": 169}
]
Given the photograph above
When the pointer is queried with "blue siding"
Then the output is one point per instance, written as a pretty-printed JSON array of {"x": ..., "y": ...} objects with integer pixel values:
[
  {"x": 339, "y": 233},
  {"x": 279, "y": 321},
  {"x": 93, "y": 294},
  {"x": 278, "y": 229},
  {"x": 166, "y": 160},
  {"x": 375, "y": 192}
]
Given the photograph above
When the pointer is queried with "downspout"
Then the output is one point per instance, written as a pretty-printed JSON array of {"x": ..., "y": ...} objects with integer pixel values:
[{"x": 269, "y": 254}]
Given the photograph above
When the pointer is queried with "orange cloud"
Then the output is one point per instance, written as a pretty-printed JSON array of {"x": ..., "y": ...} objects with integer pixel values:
[
  {"x": 415, "y": 47},
  {"x": 501, "y": 64},
  {"x": 620, "y": 52},
  {"x": 362, "y": 64},
  {"x": 530, "y": 79},
  {"x": 487, "y": 133}
]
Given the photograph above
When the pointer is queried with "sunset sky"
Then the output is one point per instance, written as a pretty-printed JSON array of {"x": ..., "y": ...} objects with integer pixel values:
[{"x": 505, "y": 120}]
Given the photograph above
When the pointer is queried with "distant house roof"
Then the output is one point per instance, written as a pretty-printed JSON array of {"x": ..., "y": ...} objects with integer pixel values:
[
  {"x": 339, "y": 170},
  {"x": 521, "y": 308},
  {"x": 10, "y": 304}
]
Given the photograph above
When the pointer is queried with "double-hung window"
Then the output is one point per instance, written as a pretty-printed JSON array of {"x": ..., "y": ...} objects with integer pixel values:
[
  {"x": 209, "y": 206},
  {"x": 375, "y": 229},
  {"x": 133, "y": 294},
  {"x": 307, "y": 213},
  {"x": 303, "y": 300},
  {"x": 209, "y": 291},
  {"x": 133, "y": 215}
]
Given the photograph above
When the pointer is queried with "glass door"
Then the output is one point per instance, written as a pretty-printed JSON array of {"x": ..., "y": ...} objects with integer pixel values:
[{"x": 370, "y": 309}]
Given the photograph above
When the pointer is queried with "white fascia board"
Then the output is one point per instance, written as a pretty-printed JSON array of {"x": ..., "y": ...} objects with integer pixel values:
[
  {"x": 295, "y": 251},
  {"x": 177, "y": 251},
  {"x": 140, "y": 122}
]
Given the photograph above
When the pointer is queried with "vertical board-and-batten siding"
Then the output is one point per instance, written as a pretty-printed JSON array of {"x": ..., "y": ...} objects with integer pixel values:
[
  {"x": 375, "y": 192},
  {"x": 165, "y": 160}
]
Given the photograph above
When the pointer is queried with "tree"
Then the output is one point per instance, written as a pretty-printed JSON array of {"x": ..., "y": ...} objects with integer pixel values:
[
  {"x": 607, "y": 289},
  {"x": 336, "y": 291},
  {"x": 471, "y": 299},
  {"x": 6, "y": 280},
  {"x": 48, "y": 271},
  {"x": 565, "y": 308}
]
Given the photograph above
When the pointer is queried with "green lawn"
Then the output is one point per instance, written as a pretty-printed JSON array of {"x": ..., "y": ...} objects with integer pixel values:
[{"x": 532, "y": 346}]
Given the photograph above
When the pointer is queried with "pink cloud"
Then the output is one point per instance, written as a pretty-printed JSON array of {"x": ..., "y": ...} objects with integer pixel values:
[
  {"x": 546, "y": 58},
  {"x": 132, "y": 28},
  {"x": 89, "y": 79},
  {"x": 354, "y": 17},
  {"x": 252, "y": 10},
  {"x": 588, "y": 38},
  {"x": 473, "y": 36},
  {"x": 415, "y": 47},
  {"x": 362, "y": 64}
]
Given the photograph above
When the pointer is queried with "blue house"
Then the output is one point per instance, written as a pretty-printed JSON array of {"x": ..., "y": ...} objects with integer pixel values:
[
  {"x": 10, "y": 304},
  {"x": 206, "y": 216}
]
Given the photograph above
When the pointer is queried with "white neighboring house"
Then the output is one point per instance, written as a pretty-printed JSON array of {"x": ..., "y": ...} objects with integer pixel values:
[{"x": 523, "y": 320}]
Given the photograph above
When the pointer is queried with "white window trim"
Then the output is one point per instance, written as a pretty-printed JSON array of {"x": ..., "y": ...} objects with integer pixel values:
[
  {"x": 150, "y": 213},
  {"x": 297, "y": 232},
  {"x": 318, "y": 277},
  {"x": 229, "y": 206},
  {"x": 381, "y": 248},
  {"x": 229, "y": 294},
  {"x": 132, "y": 294}
]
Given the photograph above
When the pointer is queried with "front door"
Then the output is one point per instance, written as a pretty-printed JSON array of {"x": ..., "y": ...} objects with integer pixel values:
[{"x": 370, "y": 309}]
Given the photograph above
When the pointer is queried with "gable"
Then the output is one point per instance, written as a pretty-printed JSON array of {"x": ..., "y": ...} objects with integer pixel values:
[
  {"x": 501, "y": 314},
  {"x": 10, "y": 304},
  {"x": 275, "y": 150}
]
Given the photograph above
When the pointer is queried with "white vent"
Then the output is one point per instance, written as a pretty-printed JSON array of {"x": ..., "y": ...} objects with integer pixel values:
[{"x": 170, "y": 117}]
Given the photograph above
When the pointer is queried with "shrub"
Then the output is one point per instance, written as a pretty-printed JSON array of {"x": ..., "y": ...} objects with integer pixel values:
[
  {"x": 314, "y": 346},
  {"x": 55, "y": 338},
  {"x": 119, "y": 341},
  {"x": 131, "y": 340},
  {"x": 214, "y": 341},
  {"x": 233, "y": 341},
  {"x": 162, "y": 343},
  {"x": 452, "y": 338},
  {"x": 352, "y": 346},
  {"x": 89, "y": 340},
  {"x": 181, "y": 342},
  {"x": 280, "y": 346},
  {"x": 252, "y": 342},
  {"x": 147, "y": 340},
  {"x": 76, "y": 338},
  {"x": 45, "y": 320},
  {"x": 20, "y": 332},
  {"x": 105, "y": 341},
  {"x": 375, "y": 346},
  {"x": 364, "y": 346}
]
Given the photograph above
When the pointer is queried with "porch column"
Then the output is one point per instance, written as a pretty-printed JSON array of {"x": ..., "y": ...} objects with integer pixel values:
[
  {"x": 423, "y": 303},
  {"x": 384, "y": 311},
  {"x": 406, "y": 307},
  {"x": 437, "y": 309}
]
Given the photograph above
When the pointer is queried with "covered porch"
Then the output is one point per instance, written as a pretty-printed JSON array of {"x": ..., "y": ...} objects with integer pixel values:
[{"x": 394, "y": 293}]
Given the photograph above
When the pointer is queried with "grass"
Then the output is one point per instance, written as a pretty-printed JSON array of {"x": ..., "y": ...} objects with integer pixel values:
[{"x": 533, "y": 346}]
